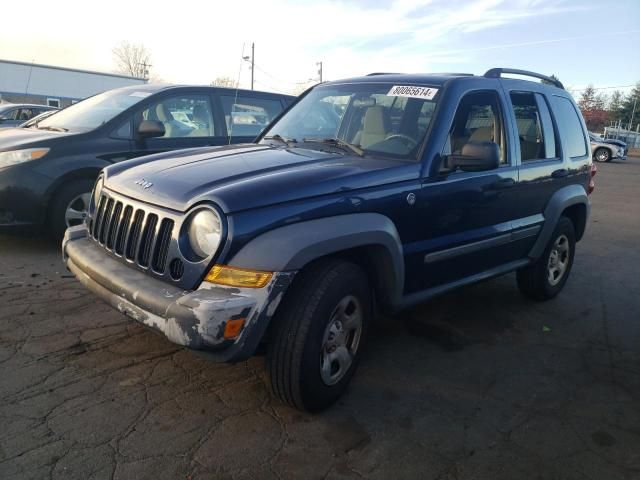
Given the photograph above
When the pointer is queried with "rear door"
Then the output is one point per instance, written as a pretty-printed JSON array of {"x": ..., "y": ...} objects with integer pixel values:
[
  {"x": 546, "y": 163},
  {"x": 540, "y": 161},
  {"x": 246, "y": 115}
]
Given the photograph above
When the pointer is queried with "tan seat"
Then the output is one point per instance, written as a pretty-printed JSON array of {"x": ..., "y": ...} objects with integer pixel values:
[
  {"x": 482, "y": 134},
  {"x": 375, "y": 127},
  {"x": 164, "y": 115},
  {"x": 202, "y": 118}
]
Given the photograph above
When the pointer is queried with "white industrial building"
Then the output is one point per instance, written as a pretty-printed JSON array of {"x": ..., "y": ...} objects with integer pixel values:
[{"x": 22, "y": 82}]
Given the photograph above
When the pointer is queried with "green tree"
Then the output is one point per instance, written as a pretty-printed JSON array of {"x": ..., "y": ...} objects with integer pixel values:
[
  {"x": 615, "y": 106},
  {"x": 627, "y": 110},
  {"x": 552, "y": 76},
  {"x": 588, "y": 99}
]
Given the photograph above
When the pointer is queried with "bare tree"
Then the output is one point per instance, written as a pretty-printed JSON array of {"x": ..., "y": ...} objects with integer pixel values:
[
  {"x": 224, "y": 82},
  {"x": 132, "y": 59}
]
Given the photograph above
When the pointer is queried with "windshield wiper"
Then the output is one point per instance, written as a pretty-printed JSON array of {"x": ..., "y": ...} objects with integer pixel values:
[
  {"x": 281, "y": 139},
  {"x": 54, "y": 129},
  {"x": 336, "y": 142}
]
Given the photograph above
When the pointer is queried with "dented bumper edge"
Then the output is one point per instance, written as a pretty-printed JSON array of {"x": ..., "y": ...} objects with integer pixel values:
[{"x": 194, "y": 319}]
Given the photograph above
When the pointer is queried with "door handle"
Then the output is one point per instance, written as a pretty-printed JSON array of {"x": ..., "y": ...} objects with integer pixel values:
[
  {"x": 561, "y": 173},
  {"x": 503, "y": 183}
]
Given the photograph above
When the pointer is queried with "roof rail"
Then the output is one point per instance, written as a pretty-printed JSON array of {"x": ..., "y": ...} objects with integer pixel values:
[
  {"x": 497, "y": 73},
  {"x": 381, "y": 73}
]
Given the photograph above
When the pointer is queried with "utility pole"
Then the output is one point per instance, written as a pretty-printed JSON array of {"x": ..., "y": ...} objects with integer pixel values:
[
  {"x": 319, "y": 64},
  {"x": 145, "y": 69},
  {"x": 633, "y": 112},
  {"x": 253, "y": 59}
]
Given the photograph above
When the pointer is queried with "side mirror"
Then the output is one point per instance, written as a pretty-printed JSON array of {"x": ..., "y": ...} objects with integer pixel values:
[
  {"x": 150, "y": 129},
  {"x": 476, "y": 157}
]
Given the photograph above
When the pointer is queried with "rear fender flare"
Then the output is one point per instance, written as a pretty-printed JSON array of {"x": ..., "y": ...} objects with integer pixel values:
[{"x": 559, "y": 202}]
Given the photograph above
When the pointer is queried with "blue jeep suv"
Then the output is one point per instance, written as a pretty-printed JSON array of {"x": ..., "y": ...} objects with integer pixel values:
[{"x": 368, "y": 194}]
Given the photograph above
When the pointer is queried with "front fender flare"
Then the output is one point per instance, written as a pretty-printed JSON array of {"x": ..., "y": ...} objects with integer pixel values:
[{"x": 294, "y": 246}]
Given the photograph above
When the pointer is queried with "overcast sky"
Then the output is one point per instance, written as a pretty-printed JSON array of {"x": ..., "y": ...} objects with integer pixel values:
[{"x": 590, "y": 41}]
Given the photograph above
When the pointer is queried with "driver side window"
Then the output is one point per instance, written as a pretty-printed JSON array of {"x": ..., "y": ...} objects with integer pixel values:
[
  {"x": 183, "y": 116},
  {"x": 477, "y": 119}
]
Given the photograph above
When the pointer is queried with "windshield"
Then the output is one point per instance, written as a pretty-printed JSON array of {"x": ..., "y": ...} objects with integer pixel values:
[
  {"x": 92, "y": 112},
  {"x": 377, "y": 119}
]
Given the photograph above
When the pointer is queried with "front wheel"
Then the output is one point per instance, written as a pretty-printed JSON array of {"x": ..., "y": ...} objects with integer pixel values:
[
  {"x": 319, "y": 331},
  {"x": 546, "y": 277},
  {"x": 69, "y": 207},
  {"x": 602, "y": 155}
]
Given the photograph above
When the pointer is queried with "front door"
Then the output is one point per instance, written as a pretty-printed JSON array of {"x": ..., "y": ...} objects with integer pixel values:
[
  {"x": 466, "y": 216},
  {"x": 188, "y": 121}
]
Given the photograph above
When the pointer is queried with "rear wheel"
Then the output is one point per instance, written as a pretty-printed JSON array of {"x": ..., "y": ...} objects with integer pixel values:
[
  {"x": 319, "y": 331},
  {"x": 546, "y": 277},
  {"x": 602, "y": 155},
  {"x": 69, "y": 206}
]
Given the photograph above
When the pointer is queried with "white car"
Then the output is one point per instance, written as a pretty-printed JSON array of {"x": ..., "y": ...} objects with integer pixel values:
[{"x": 605, "y": 150}]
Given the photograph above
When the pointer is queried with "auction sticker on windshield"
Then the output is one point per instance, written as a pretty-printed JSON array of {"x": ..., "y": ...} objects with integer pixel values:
[{"x": 412, "y": 91}]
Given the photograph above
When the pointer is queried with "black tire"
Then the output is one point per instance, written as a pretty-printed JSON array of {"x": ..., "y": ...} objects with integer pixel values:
[
  {"x": 69, "y": 191},
  {"x": 534, "y": 280},
  {"x": 295, "y": 352},
  {"x": 602, "y": 155}
]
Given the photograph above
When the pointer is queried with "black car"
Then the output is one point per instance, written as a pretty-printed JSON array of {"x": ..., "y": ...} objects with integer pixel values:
[
  {"x": 376, "y": 192},
  {"x": 14, "y": 114},
  {"x": 47, "y": 171}
]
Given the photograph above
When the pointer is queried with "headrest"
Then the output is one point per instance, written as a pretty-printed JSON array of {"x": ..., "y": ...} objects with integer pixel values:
[
  {"x": 163, "y": 113},
  {"x": 374, "y": 120}
]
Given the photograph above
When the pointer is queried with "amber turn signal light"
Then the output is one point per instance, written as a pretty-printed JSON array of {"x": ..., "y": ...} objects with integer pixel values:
[
  {"x": 237, "y": 277},
  {"x": 233, "y": 328}
]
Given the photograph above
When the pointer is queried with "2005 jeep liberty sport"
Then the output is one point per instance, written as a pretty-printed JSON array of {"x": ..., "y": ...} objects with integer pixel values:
[{"x": 367, "y": 194}]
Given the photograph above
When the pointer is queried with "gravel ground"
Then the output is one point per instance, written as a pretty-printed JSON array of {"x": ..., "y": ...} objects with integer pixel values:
[{"x": 480, "y": 383}]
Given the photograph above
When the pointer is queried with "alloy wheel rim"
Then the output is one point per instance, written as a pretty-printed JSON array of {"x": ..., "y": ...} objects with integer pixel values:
[
  {"x": 341, "y": 340},
  {"x": 558, "y": 260},
  {"x": 602, "y": 156},
  {"x": 76, "y": 211}
]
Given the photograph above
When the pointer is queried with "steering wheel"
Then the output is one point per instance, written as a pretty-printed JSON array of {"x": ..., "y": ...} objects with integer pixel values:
[{"x": 406, "y": 139}]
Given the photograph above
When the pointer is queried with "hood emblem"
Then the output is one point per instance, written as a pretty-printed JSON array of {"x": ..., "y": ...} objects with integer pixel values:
[{"x": 143, "y": 183}]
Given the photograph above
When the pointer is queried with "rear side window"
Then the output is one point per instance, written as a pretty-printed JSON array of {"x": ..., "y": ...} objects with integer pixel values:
[
  {"x": 535, "y": 128},
  {"x": 247, "y": 116},
  {"x": 568, "y": 121}
]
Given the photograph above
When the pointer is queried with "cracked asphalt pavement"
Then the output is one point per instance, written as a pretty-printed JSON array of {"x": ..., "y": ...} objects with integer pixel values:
[{"x": 481, "y": 383}]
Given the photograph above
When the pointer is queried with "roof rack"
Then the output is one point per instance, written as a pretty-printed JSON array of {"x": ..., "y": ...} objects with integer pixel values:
[{"x": 497, "y": 73}]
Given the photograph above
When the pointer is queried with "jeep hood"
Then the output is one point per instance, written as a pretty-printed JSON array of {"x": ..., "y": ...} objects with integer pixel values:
[{"x": 241, "y": 177}]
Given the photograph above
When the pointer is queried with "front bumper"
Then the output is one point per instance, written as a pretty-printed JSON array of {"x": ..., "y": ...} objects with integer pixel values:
[
  {"x": 22, "y": 196},
  {"x": 194, "y": 319}
]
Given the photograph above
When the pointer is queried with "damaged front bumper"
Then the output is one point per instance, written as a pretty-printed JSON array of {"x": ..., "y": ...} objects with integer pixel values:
[{"x": 194, "y": 319}]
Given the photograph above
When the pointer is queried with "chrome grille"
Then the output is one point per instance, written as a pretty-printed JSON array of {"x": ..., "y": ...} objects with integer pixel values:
[{"x": 132, "y": 232}]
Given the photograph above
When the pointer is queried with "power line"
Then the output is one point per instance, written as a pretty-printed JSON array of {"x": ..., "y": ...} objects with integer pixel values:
[
  {"x": 600, "y": 88},
  {"x": 279, "y": 80},
  {"x": 271, "y": 87}
]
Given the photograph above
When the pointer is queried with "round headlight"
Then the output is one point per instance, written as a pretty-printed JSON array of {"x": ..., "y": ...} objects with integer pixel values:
[
  {"x": 95, "y": 198},
  {"x": 205, "y": 232}
]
